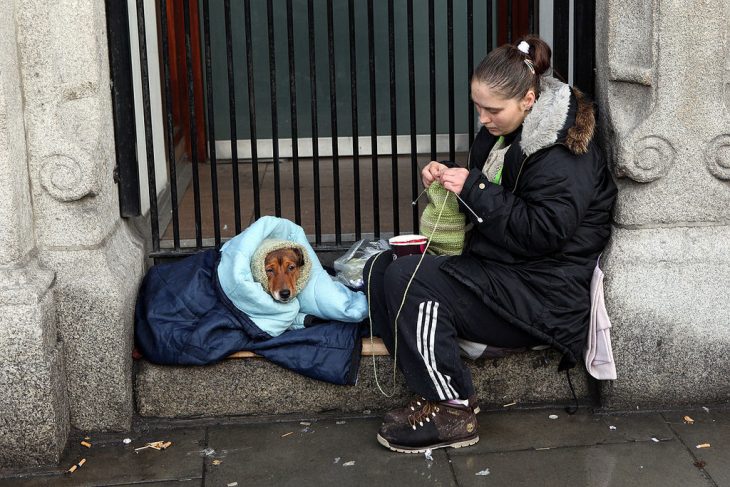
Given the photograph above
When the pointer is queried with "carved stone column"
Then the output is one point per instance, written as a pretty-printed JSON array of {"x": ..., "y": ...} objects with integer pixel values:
[
  {"x": 97, "y": 260},
  {"x": 34, "y": 414},
  {"x": 664, "y": 94}
]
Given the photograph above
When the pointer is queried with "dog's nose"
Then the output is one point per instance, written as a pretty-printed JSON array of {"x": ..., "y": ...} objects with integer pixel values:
[{"x": 284, "y": 293}]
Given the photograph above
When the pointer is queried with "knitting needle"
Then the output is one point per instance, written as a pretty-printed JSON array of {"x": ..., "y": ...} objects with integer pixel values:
[
  {"x": 419, "y": 197},
  {"x": 479, "y": 219}
]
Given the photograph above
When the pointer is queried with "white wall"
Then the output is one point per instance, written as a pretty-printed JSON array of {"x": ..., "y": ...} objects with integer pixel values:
[{"x": 161, "y": 177}]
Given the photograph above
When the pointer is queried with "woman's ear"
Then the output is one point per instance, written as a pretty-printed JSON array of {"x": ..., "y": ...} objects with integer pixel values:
[{"x": 528, "y": 100}]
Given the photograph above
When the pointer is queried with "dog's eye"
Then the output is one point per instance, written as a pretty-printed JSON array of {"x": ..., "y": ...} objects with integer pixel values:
[
  {"x": 269, "y": 271},
  {"x": 292, "y": 267}
]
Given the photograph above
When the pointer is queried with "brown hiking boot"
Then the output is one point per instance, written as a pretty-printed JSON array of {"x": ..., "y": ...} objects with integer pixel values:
[
  {"x": 401, "y": 415},
  {"x": 435, "y": 425}
]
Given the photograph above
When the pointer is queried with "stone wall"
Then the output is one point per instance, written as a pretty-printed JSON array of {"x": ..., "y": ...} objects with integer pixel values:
[
  {"x": 664, "y": 91},
  {"x": 34, "y": 419},
  {"x": 69, "y": 265},
  {"x": 64, "y": 62}
]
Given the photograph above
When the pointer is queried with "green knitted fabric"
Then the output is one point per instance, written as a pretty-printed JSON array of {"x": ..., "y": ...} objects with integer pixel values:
[{"x": 448, "y": 237}]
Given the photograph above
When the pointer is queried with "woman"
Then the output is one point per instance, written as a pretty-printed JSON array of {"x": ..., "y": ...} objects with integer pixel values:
[{"x": 541, "y": 196}]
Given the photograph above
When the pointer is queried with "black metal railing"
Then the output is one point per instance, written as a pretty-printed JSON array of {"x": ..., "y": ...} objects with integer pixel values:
[{"x": 254, "y": 150}]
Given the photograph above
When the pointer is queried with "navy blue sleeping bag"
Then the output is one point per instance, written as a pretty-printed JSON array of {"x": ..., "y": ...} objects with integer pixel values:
[{"x": 183, "y": 317}]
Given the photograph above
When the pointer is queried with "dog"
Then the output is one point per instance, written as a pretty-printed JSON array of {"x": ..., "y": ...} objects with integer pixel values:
[{"x": 282, "y": 271}]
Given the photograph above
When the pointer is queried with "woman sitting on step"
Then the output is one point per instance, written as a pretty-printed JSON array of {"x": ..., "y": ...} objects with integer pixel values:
[{"x": 541, "y": 196}]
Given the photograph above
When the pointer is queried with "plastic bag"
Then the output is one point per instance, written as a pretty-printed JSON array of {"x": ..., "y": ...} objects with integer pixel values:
[{"x": 350, "y": 265}]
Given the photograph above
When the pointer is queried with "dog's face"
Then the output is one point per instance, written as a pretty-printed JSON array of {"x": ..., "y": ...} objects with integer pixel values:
[{"x": 282, "y": 270}]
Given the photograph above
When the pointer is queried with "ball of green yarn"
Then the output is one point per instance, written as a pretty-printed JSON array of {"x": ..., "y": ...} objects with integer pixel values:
[{"x": 447, "y": 238}]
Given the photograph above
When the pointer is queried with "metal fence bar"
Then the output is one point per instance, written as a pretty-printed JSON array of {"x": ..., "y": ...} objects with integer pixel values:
[
  {"x": 315, "y": 136},
  {"x": 470, "y": 65},
  {"x": 151, "y": 182},
  {"x": 293, "y": 105},
  {"x": 450, "y": 55},
  {"x": 393, "y": 117},
  {"x": 333, "y": 118},
  {"x": 274, "y": 119},
  {"x": 584, "y": 46},
  {"x": 193, "y": 125},
  {"x": 126, "y": 172},
  {"x": 509, "y": 21},
  {"x": 252, "y": 112},
  {"x": 373, "y": 121},
  {"x": 355, "y": 132},
  {"x": 561, "y": 19},
  {"x": 432, "y": 75},
  {"x": 490, "y": 24},
  {"x": 168, "y": 118},
  {"x": 533, "y": 19},
  {"x": 211, "y": 125},
  {"x": 232, "y": 115},
  {"x": 412, "y": 115}
]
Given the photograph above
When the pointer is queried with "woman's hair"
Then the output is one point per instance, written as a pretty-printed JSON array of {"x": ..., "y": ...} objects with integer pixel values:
[{"x": 511, "y": 72}]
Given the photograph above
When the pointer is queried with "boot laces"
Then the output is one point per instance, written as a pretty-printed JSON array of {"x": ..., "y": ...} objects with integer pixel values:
[{"x": 427, "y": 411}]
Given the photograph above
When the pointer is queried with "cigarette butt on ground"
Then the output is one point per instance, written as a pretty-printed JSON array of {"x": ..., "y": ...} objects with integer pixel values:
[
  {"x": 703, "y": 445},
  {"x": 86, "y": 444},
  {"x": 287, "y": 434},
  {"x": 688, "y": 420},
  {"x": 509, "y": 404},
  {"x": 76, "y": 466}
]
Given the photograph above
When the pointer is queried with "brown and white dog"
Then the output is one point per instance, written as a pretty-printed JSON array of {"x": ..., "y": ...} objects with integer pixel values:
[{"x": 282, "y": 271}]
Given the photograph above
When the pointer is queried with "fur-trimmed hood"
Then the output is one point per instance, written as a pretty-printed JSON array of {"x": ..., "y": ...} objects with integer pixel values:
[
  {"x": 258, "y": 267},
  {"x": 550, "y": 119}
]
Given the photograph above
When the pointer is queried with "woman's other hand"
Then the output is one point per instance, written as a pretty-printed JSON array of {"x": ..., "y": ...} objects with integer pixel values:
[
  {"x": 432, "y": 172},
  {"x": 453, "y": 178}
]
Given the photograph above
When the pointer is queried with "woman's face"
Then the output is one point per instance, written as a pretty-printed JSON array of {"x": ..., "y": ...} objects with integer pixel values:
[{"x": 500, "y": 116}]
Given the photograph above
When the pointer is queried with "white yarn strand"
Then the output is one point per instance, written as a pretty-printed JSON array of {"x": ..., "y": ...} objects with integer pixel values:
[{"x": 395, "y": 322}]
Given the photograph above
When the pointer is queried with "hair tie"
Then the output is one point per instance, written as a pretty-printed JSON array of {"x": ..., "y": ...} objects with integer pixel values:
[{"x": 524, "y": 48}]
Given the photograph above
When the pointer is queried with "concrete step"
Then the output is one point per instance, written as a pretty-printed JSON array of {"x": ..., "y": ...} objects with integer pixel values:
[{"x": 246, "y": 384}]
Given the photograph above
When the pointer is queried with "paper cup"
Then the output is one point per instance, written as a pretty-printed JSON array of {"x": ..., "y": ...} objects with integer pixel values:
[{"x": 407, "y": 245}]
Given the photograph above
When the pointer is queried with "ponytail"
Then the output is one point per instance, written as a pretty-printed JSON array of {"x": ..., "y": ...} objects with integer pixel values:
[{"x": 511, "y": 71}]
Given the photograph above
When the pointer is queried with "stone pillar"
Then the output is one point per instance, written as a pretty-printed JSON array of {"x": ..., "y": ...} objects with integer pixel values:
[
  {"x": 34, "y": 419},
  {"x": 98, "y": 261},
  {"x": 664, "y": 93}
]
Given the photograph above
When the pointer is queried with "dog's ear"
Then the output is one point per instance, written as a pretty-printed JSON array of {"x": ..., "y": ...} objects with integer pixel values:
[{"x": 300, "y": 256}]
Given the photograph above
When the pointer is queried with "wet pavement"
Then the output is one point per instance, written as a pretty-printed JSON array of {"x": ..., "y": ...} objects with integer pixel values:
[{"x": 517, "y": 448}]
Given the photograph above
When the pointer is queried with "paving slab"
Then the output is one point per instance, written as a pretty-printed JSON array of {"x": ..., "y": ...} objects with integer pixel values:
[
  {"x": 662, "y": 464},
  {"x": 329, "y": 452},
  {"x": 711, "y": 428},
  {"x": 521, "y": 430},
  {"x": 110, "y": 462}
]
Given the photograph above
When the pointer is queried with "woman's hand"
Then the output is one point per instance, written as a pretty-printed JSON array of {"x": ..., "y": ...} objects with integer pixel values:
[
  {"x": 432, "y": 172},
  {"x": 453, "y": 179}
]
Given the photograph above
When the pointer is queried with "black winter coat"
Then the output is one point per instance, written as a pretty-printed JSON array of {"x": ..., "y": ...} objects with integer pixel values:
[{"x": 533, "y": 256}]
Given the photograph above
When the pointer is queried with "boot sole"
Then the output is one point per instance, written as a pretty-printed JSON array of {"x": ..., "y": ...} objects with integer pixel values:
[{"x": 407, "y": 449}]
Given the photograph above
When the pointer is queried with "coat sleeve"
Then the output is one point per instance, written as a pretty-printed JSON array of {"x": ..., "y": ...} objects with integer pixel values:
[{"x": 555, "y": 191}]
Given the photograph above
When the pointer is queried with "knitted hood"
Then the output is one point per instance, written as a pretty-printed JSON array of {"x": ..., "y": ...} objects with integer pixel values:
[
  {"x": 241, "y": 272},
  {"x": 258, "y": 268}
]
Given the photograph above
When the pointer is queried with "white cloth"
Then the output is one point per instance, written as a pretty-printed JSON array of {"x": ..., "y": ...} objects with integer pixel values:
[{"x": 598, "y": 352}]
